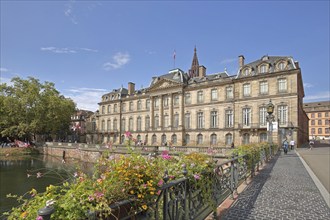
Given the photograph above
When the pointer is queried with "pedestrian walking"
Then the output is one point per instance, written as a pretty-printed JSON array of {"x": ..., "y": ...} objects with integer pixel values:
[
  {"x": 311, "y": 143},
  {"x": 292, "y": 143},
  {"x": 285, "y": 146}
]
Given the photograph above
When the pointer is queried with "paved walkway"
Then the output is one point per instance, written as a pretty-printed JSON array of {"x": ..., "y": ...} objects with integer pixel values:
[{"x": 283, "y": 189}]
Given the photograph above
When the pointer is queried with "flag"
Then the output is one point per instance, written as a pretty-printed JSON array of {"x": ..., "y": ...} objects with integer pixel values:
[{"x": 174, "y": 54}]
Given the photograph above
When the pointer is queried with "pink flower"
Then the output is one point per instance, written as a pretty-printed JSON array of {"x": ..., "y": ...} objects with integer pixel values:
[
  {"x": 160, "y": 183},
  {"x": 39, "y": 218},
  {"x": 196, "y": 176},
  {"x": 90, "y": 198},
  {"x": 128, "y": 134},
  {"x": 158, "y": 192},
  {"x": 165, "y": 155}
]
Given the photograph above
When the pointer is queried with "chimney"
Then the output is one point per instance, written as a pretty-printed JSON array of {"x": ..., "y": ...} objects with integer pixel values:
[
  {"x": 241, "y": 61},
  {"x": 131, "y": 88},
  {"x": 202, "y": 71},
  {"x": 297, "y": 64}
]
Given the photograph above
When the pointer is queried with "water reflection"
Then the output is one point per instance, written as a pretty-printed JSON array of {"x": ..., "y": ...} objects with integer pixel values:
[{"x": 20, "y": 175}]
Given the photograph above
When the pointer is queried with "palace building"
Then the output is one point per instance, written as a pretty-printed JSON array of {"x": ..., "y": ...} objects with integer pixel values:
[{"x": 197, "y": 109}]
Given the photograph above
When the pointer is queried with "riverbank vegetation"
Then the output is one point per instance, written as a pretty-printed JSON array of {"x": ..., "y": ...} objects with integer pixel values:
[
  {"x": 18, "y": 151},
  {"x": 30, "y": 108}
]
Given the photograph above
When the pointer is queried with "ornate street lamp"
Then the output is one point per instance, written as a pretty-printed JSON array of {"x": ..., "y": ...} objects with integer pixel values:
[{"x": 270, "y": 119}]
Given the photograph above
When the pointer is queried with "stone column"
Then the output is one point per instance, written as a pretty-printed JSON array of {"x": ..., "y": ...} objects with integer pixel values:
[{"x": 161, "y": 111}]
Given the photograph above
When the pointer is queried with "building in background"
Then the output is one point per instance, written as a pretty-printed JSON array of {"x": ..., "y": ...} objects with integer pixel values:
[
  {"x": 319, "y": 119},
  {"x": 78, "y": 126},
  {"x": 199, "y": 109}
]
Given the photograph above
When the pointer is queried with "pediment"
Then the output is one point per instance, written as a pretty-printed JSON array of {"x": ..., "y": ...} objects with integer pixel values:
[{"x": 164, "y": 84}]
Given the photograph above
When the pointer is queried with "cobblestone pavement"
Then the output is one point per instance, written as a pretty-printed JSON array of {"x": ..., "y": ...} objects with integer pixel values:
[{"x": 283, "y": 189}]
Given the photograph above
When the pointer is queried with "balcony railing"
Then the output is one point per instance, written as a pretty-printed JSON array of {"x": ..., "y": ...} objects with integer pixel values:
[{"x": 252, "y": 126}]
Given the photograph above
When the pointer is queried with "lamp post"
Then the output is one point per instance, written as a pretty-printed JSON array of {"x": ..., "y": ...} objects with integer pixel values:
[{"x": 270, "y": 119}]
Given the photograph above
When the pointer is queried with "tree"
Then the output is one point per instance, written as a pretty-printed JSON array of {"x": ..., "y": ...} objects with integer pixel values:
[{"x": 30, "y": 108}]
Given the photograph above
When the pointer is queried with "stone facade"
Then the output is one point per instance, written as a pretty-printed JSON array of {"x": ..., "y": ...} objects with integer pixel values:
[{"x": 196, "y": 109}]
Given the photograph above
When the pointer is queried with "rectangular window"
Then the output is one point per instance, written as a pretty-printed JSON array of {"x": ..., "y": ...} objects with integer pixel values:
[
  {"x": 123, "y": 108},
  {"x": 214, "y": 95},
  {"x": 326, "y": 122},
  {"x": 319, "y": 122},
  {"x": 115, "y": 125},
  {"x": 130, "y": 124},
  {"x": 282, "y": 85},
  {"x": 147, "y": 123},
  {"x": 229, "y": 119},
  {"x": 327, "y": 114},
  {"x": 108, "y": 125},
  {"x": 131, "y": 106},
  {"x": 176, "y": 121},
  {"x": 214, "y": 119},
  {"x": 312, "y": 122},
  {"x": 262, "y": 116},
  {"x": 263, "y": 87},
  {"x": 319, "y": 115},
  {"x": 319, "y": 131},
  {"x": 176, "y": 100},
  {"x": 103, "y": 109},
  {"x": 327, "y": 130},
  {"x": 166, "y": 121},
  {"x": 246, "y": 90},
  {"x": 165, "y": 101},
  {"x": 148, "y": 104},
  {"x": 103, "y": 126},
  {"x": 283, "y": 114},
  {"x": 199, "y": 96},
  {"x": 123, "y": 124},
  {"x": 200, "y": 120},
  {"x": 313, "y": 115},
  {"x": 109, "y": 108},
  {"x": 139, "y": 105},
  {"x": 313, "y": 131},
  {"x": 115, "y": 108},
  {"x": 156, "y": 102},
  {"x": 187, "y": 120},
  {"x": 139, "y": 124},
  {"x": 229, "y": 92},
  {"x": 246, "y": 116},
  {"x": 156, "y": 122},
  {"x": 187, "y": 98}
]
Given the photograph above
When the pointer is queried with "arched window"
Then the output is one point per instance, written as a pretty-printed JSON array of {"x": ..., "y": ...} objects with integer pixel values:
[
  {"x": 154, "y": 139},
  {"x": 199, "y": 139},
  {"x": 138, "y": 137},
  {"x": 163, "y": 139},
  {"x": 174, "y": 139},
  {"x": 246, "y": 138},
  {"x": 229, "y": 139},
  {"x": 187, "y": 138},
  {"x": 213, "y": 139}
]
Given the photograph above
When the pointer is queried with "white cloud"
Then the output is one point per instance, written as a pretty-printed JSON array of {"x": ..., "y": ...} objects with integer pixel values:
[
  {"x": 68, "y": 11},
  {"x": 118, "y": 60},
  {"x": 58, "y": 50},
  {"x": 67, "y": 50},
  {"x": 319, "y": 96},
  {"x": 3, "y": 70},
  {"x": 88, "y": 49},
  {"x": 229, "y": 60},
  {"x": 308, "y": 85},
  {"x": 85, "y": 98}
]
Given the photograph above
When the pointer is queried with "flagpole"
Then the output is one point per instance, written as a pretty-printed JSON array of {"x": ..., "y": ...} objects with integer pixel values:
[{"x": 174, "y": 54}]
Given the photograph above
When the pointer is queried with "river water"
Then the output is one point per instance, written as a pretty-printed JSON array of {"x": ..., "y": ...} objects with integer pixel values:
[{"x": 20, "y": 175}]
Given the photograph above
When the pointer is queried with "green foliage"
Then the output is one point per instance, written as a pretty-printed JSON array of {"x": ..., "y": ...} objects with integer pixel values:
[
  {"x": 29, "y": 107},
  {"x": 116, "y": 178}
]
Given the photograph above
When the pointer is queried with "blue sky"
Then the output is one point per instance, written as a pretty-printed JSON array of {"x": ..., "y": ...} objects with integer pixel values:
[{"x": 88, "y": 48}]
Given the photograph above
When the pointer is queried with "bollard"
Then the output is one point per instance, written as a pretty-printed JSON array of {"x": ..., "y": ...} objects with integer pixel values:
[{"x": 46, "y": 212}]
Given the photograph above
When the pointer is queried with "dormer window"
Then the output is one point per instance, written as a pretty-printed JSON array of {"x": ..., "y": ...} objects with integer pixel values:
[
  {"x": 263, "y": 68},
  {"x": 281, "y": 66},
  {"x": 246, "y": 72}
]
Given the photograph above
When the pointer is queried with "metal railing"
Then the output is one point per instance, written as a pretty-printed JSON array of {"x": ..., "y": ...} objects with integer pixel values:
[{"x": 183, "y": 198}]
